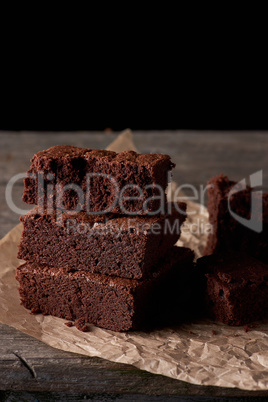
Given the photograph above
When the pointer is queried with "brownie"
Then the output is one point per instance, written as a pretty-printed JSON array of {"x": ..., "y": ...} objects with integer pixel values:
[
  {"x": 236, "y": 287},
  {"x": 109, "y": 302},
  {"x": 107, "y": 180},
  {"x": 109, "y": 244},
  {"x": 227, "y": 232}
]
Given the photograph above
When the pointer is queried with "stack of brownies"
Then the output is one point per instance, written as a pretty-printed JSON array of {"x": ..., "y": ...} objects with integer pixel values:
[
  {"x": 236, "y": 255},
  {"x": 99, "y": 245}
]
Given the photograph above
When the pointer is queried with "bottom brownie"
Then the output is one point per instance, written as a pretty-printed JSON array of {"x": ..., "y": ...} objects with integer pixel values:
[
  {"x": 108, "y": 302},
  {"x": 236, "y": 287}
]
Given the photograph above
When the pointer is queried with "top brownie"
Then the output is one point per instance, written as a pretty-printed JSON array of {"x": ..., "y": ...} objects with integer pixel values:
[
  {"x": 228, "y": 201},
  {"x": 99, "y": 181}
]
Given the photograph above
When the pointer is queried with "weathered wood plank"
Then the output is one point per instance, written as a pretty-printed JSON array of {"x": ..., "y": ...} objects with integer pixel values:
[{"x": 58, "y": 371}]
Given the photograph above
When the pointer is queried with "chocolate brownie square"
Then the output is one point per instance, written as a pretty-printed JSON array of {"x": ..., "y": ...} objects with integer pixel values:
[
  {"x": 108, "y": 302},
  {"x": 236, "y": 287},
  {"x": 227, "y": 202},
  {"x": 111, "y": 244},
  {"x": 98, "y": 181}
]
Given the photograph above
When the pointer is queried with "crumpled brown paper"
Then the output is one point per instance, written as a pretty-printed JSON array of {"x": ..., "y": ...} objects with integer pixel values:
[{"x": 203, "y": 353}]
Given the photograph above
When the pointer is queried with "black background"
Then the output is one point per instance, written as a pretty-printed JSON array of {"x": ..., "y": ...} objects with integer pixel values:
[
  {"x": 218, "y": 84},
  {"x": 202, "y": 111},
  {"x": 193, "y": 103}
]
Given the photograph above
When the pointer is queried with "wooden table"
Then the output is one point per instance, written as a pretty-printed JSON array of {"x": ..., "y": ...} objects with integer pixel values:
[{"x": 31, "y": 370}]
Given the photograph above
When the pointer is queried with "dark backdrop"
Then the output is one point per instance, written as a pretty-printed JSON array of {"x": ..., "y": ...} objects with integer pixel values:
[
  {"x": 200, "y": 102},
  {"x": 185, "y": 77},
  {"x": 205, "y": 111},
  {"x": 194, "y": 118}
]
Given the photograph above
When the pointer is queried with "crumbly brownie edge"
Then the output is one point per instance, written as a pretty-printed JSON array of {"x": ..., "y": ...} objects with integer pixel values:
[{"x": 147, "y": 169}]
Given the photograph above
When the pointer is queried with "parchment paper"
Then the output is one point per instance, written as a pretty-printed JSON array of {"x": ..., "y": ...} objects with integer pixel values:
[{"x": 200, "y": 353}]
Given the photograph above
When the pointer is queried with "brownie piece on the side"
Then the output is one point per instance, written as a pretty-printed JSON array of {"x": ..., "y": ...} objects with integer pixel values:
[
  {"x": 108, "y": 244},
  {"x": 236, "y": 287},
  {"x": 97, "y": 180},
  {"x": 108, "y": 302},
  {"x": 228, "y": 233}
]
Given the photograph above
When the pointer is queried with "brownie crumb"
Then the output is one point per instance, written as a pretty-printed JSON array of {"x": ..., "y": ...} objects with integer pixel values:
[
  {"x": 69, "y": 324},
  {"x": 80, "y": 324},
  {"x": 214, "y": 332},
  {"x": 191, "y": 333},
  {"x": 35, "y": 311},
  {"x": 249, "y": 327}
]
